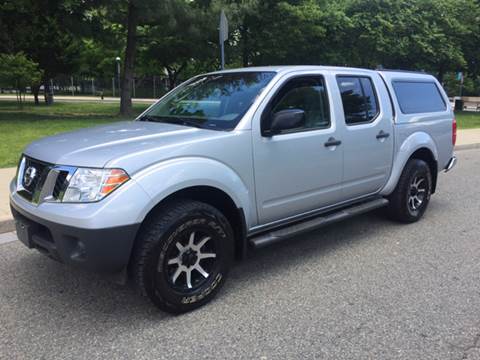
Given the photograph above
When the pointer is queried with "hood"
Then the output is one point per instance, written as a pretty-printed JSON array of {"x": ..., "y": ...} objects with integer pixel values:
[{"x": 95, "y": 147}]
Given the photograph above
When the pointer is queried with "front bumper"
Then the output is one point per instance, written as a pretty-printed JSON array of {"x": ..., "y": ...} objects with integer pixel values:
[{"x": 105, "y": 250}]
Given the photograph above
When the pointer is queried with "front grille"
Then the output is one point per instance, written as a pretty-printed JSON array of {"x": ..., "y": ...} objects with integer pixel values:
[
  {"x": 61, "y": 185},
  {"x": 39, "y": 181},
  {"x": 32, "y": 177}
]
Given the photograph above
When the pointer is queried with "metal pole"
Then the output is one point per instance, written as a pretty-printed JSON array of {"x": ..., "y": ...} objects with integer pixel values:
[
  {"x": 134, "y": 87},
  {"x": 93, "y": 86},
  {"x": 223, "y": 55},
  {"x": 73, "y": 91},
  {"x": 154, "y": 90},
  {"x": 113, "y": 86},
  {"x": 118, "y": 75},
  {"x": 222, "y": 49}
]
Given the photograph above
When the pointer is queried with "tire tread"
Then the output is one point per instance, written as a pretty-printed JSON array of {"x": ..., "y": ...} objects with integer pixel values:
[{"x": 151, "y": 233}]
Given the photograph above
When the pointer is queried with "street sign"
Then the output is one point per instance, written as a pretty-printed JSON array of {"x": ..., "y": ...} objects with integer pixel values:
[
  {"x": 223, "y": 36},
  {"x": 223, "y": 27},
  {"x": 460, "y": 76}
]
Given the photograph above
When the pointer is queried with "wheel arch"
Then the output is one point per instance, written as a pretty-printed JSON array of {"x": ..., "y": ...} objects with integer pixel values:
[
  {"x": 215, "y": 197},
  {"x": 421, "y": 146},
  {"x": 426, "y": 155}
]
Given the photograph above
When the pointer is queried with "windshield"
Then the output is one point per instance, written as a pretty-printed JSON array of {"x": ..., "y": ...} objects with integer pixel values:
[{"x": 216, "y": 101}]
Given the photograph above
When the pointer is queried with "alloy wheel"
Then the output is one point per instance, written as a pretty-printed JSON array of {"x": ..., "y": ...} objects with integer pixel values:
[
  {"x": 191, "y": 260},
  {"x": 417, "y": 193}
]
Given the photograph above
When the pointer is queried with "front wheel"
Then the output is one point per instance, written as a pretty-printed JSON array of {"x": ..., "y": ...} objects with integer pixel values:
[
  {"x": 410, "y": 198},
  {"x": 183, "y": 256}
]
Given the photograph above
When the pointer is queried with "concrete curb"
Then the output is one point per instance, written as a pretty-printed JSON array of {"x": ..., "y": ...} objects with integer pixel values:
[
  {"x": 467, "y": 147},
  {"x": 8, "y": 225}
]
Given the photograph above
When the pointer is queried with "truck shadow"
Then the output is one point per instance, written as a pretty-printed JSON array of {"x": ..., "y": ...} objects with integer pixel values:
[{"x": 62, "y": 293}]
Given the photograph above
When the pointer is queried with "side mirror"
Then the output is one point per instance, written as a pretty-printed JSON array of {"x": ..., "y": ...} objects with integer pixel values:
[{"x": 286, "y": 120}]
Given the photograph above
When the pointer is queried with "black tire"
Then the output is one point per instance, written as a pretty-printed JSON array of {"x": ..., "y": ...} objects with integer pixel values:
[
  {"x": 167, "y": 238},
  {"x": 403, "y": 206}
]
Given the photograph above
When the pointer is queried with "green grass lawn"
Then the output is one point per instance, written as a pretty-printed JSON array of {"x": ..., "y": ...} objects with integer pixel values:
[
  {"x": 467, "y": 120},
  {"x": 18, "y": 127}
]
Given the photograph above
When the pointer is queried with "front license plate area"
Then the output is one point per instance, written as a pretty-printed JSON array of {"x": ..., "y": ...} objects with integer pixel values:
[{"x": 24, "y": 232}]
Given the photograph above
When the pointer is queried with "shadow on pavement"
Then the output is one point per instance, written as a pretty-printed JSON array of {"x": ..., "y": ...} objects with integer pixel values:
[{"x": 58, "y": 292}]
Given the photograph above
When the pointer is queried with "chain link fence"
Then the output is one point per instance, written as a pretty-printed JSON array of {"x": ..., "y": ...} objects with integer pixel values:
[{"x": 143, "y": 87}]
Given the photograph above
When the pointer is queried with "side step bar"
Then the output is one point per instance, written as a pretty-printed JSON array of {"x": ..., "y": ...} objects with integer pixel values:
[{"x": 274, "y": 236}]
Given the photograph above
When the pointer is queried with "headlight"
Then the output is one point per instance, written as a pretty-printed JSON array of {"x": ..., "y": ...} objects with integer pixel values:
[{"x": 88, "y": 185}]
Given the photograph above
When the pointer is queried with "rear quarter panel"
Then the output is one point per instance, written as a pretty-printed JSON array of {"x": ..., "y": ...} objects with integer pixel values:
[{"x": 422, "y": 130}]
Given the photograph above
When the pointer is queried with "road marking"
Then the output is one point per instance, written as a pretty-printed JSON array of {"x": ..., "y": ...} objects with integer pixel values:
[{"x": 8, "y": 238}]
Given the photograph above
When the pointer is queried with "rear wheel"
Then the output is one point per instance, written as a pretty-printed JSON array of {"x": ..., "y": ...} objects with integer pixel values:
[
  {"x": 183, "y": 256},
  {"x": 410, "y": 198}
]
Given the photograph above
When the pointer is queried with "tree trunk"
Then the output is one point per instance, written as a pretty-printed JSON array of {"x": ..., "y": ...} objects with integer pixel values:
[
  {"x": 173, "y": 75},
  {"x": 441, "y": 74},
  {"x": 45, "y": 91},
  {"x": 35, "y": 91},
  {"x": 129, "y": 64},
  {"x": 171, "y": 78}
]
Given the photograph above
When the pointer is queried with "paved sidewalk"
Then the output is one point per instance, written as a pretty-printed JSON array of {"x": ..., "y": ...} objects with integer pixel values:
[
  {"x": 466, "y": 139},
  {"x": 6, "y": 222}
]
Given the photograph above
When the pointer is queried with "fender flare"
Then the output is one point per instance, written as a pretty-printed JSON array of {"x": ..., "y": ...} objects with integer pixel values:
[
  {"x": 181, "y": 173},
  {"x": 411, "y": 144}
]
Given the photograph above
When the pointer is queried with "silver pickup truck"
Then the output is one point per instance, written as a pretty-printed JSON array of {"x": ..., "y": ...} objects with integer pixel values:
[{"x": 231, "y": 161}]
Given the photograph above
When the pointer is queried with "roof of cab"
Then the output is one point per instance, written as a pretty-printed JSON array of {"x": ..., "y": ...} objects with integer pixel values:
[
  {"x": 388, "y": 73},
  {"x": 290, "y": 68}
]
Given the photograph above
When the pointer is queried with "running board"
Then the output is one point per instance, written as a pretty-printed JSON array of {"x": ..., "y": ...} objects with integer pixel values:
[{"x": 274, "y": 236}]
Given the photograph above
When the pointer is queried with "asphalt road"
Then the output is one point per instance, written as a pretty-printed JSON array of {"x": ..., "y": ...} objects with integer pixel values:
[{"x": 364, "y": 289}]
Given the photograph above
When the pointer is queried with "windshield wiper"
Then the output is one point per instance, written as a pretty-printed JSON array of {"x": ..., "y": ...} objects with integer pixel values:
[
  {"x": 174, "y": 120},
  {"x": 185, "y": 121},
  {"x": 150, "y": 118}
]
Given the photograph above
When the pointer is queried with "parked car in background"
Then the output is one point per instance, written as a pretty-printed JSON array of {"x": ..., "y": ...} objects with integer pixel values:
[{"x": 230, "y": 161}]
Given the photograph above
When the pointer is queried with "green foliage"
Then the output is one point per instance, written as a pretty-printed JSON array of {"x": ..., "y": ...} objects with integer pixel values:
[
  {"x": 180, "y": 37},
  {"x": 409, "y": 34},
  {"x": 183, "y": 40},
  {"x": 48, "y": 31},
  {"x": 18, "y": 72},
  {"x": 471, "y": 86}
]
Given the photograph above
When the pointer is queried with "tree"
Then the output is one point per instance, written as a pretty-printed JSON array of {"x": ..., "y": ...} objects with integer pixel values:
[
  {"x": 283, "y": 32},
  {"x": 407, "y": 34},
  {"x": 183, "y": 40},
  {"x": 131, "y": 14},
  {"x": 18, "y": 72},
  {"x": 48, "y": 31}
]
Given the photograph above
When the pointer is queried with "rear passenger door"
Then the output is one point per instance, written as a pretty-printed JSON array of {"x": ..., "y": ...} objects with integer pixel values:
[{"x": 368, "y": 135}]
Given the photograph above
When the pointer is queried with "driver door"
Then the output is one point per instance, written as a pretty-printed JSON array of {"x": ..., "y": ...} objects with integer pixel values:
[{"x": 297, "y": 170}]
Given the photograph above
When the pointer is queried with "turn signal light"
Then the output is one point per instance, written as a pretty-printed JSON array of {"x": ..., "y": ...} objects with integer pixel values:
[{"x": 112, "y": 180}]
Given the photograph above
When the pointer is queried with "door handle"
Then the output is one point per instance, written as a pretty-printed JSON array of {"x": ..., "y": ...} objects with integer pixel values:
[
  {"x": 332, "y": 142},
  {"x": 382, "y": 135}
]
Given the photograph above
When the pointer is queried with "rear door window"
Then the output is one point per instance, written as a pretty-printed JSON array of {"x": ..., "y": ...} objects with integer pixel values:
[
  {"x": 359, "y": 100},
  {"x": 418, "y": 97}
]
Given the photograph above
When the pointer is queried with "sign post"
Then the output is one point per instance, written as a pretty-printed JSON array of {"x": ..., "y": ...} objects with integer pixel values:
[
  {"x": 223, "y": 36},
  {"x": 460, "y": 78}
]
